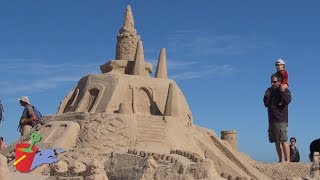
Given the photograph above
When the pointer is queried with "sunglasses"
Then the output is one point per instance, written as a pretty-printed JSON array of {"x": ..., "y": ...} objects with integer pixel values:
[
  {"x": 274, "y": 82},
  {"x": 292, "y": 141}
]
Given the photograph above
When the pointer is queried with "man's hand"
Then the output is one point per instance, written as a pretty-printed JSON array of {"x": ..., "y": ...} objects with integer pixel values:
[
  {"x": 283, "y": 87},
  {"x": 267, "y": 93}
]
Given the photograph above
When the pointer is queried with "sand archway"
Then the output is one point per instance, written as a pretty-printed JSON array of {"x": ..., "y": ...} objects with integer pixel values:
[{"x": 143, "y": 101}]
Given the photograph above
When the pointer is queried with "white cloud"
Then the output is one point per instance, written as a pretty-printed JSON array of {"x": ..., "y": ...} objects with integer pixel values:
[
  {"x": 186, "y": 70},
  {"x": 209, "y": 44},
  {"x": 29, "y": 76},
  {"x": 173, "y": 64},
  {"x": 203, "y": 72},
  {"x": 37, "y": 85}
]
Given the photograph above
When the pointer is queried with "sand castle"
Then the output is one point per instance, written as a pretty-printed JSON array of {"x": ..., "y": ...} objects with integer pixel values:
[{"x": 124, "y": 124}]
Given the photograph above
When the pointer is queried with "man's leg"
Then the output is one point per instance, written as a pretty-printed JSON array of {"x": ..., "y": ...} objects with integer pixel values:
[
  {"x": 25, "y": 129},
  {"x": 280, "y": 151},
  {"x": 286, "y": 150},
  {"x": 281, "y": 137},
  {"x": 281, "y": 140},
  {"x": 273, "y": 136}
]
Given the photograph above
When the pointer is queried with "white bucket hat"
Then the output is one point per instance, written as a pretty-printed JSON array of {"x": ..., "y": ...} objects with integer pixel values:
[
  {"x": 24, "y": 99},
  {"x": 280, "y": 61}
]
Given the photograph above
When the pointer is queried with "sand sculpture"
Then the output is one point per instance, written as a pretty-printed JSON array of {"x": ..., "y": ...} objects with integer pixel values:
[
  {"x": 4, "y": 170},
  {"x": 315, "y": 168},
  {"x": 124, "y": 124}
]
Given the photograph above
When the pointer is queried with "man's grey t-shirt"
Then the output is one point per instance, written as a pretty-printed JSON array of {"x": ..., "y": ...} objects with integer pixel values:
[{"x": 28, "y": 110}]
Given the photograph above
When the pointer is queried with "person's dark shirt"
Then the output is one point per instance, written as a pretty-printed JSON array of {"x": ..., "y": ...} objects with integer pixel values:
[
  {"x": 294, "y": 154},
  {"x": 277, "y": 113},
  {"x": 27, "y": 111}
]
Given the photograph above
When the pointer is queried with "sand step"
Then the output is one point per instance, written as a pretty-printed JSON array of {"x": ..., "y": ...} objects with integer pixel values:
[
  {"x": 144, "y": 139},
  {"x": 158, "y": 132},
  {"x": 151, "y": 130},
  {"x": 151, "y": 126},
  {"x": 153, "y": 136},
  {"x": 145, "y": 123}
]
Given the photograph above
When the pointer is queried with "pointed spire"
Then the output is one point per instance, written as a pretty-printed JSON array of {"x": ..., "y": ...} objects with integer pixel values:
[
  {"x": 172, "y": 104},
  {"x": 161, "y": 71},
  {"x": 139, "y": 64},
  {"x": 128, "y": 21},
  {"x": 127, "y": 38}
]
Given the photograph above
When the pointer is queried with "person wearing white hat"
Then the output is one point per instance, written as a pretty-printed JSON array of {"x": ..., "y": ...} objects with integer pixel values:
[
  {"x": 28, "y": 115},
  {"x": 281, "y": 72}
]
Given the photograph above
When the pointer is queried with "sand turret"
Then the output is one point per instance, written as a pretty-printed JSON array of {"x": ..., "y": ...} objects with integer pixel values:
[
  {"x": 127, "y": 42},
  {"x": 127, "y": 38},
  {"x": 231, "y": 137},
  {"x": 161, "y": 71}
]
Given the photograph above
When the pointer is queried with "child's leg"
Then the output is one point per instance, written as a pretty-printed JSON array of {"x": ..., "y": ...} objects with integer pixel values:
[{"x": 283, "y": 87}]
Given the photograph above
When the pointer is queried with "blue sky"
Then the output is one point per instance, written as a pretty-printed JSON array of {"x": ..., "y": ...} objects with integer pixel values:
[{"x": 221, "y": 54}]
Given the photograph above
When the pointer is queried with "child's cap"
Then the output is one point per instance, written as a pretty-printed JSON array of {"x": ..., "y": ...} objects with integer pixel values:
[{"x": 280, "y": 61}]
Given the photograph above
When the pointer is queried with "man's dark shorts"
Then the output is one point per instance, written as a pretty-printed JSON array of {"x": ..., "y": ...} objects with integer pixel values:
[{"x": 278, "y": 132}]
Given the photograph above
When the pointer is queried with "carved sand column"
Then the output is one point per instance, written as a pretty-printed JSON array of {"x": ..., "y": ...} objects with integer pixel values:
[
  {"x": 172, "y": 105},
  {"x": 139, "y": 63},
  {"x": 127, "y": 38},
  {"x": 231, "y": 138},
  {"x": 161, "y": 71}
]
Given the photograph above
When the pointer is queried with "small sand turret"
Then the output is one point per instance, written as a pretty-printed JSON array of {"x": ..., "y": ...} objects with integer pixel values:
[{"x": 231, "y": 138}]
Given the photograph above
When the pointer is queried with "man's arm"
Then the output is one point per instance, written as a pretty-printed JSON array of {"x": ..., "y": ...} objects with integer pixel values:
[
  {"x": 29, "y": 120},
  {"x": 297, "y": 158},
  {"x": 286, "y": 97},
  {"x": 266, "y": 97}
]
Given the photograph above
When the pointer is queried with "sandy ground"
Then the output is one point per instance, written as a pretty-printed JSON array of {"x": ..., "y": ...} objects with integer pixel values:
[
  {"x": 20, "y": 176},
  {"x": 282, "y": 170}
]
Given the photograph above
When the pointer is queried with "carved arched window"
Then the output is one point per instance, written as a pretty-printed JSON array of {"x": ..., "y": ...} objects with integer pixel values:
[
  {"x": 71, "y": 103},
  {"x": 92, "y": 98}
]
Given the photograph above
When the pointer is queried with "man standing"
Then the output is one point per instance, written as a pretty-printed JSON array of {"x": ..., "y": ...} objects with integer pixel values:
[
  {"x": 27, "y": 117},
  {"x": 277, "y": 99}
]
